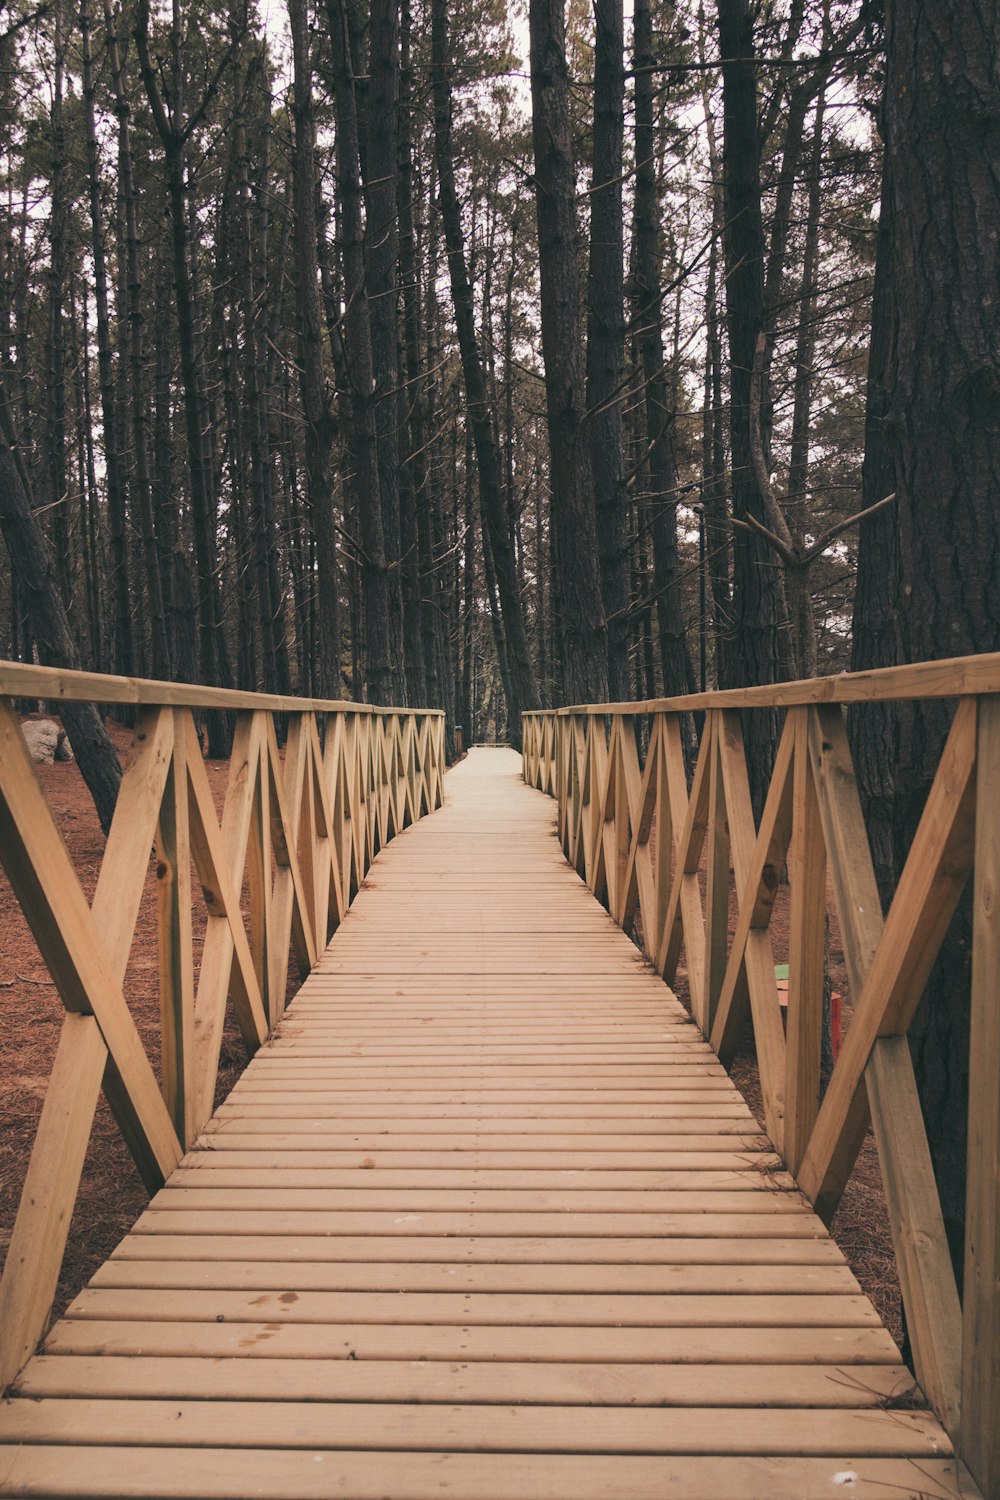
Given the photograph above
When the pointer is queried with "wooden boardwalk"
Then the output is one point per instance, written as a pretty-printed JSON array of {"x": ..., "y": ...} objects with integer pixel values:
[{"x": 486, "y": 1219}]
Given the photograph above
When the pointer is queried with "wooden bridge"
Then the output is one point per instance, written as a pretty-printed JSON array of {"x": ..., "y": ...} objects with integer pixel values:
[{"x": 485, "y": 1216}]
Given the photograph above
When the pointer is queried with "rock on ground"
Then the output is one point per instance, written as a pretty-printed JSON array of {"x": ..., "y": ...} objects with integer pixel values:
[{"x": 46, "y": 740}]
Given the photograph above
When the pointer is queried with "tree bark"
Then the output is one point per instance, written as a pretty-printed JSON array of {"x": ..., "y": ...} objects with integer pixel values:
[
  {"x": 647, "y": 321},
  {"x": 379, "y": 168},
  {"x": 581, "y": 607},
  {"x": 757, "y": 614},
  {"x": 113, "y": 456},
  {"x": 162, "y": 659},
  {"x": 311, "y": 343},
  {"x": 381, "y": 674},
  {"x": 606, "y": 333}
]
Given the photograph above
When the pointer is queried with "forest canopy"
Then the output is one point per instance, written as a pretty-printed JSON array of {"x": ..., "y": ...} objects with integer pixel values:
[{"x": 322, "y": 372}]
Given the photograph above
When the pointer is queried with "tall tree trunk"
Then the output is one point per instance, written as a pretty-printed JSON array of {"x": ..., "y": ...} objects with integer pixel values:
[
  {"x": 519, "y": 685},
  {"x": 797, "y": 503},
  {"x": 606, "y": 332},
  {"x": 647, "y": 318},
  {"x": 311, "y": 344},
  {"x": 581, "y": 606},
  {"x": 113, "y": 457},
  {"x": 55, "y": 392},
  {"x": 874, "y": 727},
  {"x": 379, "y": 167},
  {"x": 417, "y": 468},
  {"x": 756, "y": 602},
  {"x": 381, "y": 672},
  {"x": 157, "y": 578}
]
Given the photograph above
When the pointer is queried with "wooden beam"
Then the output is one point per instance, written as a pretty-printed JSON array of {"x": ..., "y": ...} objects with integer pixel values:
[
  {"x": 38, "y": 1242},
  {"x": 923, "y": 1261},
  {"x": 887, "y": 969},
  {"x": 980, "y": 1435},
  {"x": 70, "y": 944},
  {"x": 806, "y": 952},
  {"x": 54, "y": 684},
  {"x": 176, "y": 952},
  {"x": 128, "y": 850},
  {"x": 716, "y": 898},
  {"x": 758, "y": 899}
]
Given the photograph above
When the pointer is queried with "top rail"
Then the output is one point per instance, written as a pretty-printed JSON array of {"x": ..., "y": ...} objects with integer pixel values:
[
  {"x": 954, "y": 677},
  {"x": 25, "y": 680}
]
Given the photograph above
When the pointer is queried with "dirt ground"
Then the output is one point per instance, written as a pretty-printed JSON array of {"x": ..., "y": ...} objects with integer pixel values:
[{"x": 111, "y": 1195}]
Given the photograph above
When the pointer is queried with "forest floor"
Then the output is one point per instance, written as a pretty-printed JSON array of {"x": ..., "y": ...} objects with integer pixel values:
[{"x": 111, "y": 1194}]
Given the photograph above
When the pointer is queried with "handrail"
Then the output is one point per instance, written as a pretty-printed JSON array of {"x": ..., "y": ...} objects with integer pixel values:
[
  {"x": 25, "y": 680},
  {"x": 952, "y": 677},
  {"x": 661, "y": 857},
  {"x": 300, "y": 829}
]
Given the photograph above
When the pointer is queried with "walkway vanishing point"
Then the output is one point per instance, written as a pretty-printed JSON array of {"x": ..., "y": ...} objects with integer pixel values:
[{"x": 486, "y": 1218}]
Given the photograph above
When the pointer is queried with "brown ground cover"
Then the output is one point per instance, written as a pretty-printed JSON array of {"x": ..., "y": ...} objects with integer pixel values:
[{"x": 112, "y": 1196}]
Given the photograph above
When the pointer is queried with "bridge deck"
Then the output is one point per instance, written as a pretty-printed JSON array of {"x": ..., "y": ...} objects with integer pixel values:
[{"x": 487, "y": 1219}]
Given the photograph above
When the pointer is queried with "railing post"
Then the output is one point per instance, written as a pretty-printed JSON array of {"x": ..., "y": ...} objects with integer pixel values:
[
  {"x": 980, "y": 1416},
  {"x": 173, "y": 885}
]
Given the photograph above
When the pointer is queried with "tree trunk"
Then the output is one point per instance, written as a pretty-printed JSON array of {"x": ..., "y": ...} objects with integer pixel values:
[
  {"x": 756, "y": 603},
  {"x": 647, "y": 318},
  {"x": 874, "y": 727},
  {"x": 606, "y": 333},
  {"x": 311, "y": 344},
  {"x": 381, "y": 673},
  {"x": 113, "y": 456},
  {"x": 581, "y": 607},
  {"x": 379, "y": 169}
]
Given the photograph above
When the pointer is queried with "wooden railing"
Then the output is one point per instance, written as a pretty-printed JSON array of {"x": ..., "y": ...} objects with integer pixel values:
[
  {"x": 299, "y": 830},
  {"x": 662, "y": 854}
]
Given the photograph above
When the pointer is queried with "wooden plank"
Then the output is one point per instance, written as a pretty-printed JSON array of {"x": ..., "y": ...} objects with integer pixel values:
[
  {"x": 758, "y": 959},
  {"x": 756, "y": 901},
  {"x": 923, "y": 1261},
  {"x": 436, "y": 1276},
  {"x": 226, "y": 962},
  {"x": 806, "y": 953},
  {"x": 888, "y": 964},
  {"x": 405, "y": 1245},
  {"x": 296, "y": 1223},
  {"x": 716, "y": 890},
  {"x": 227, "y": 1151},
  {"x": 980, "y": 1392},
  {"x": 179, "y": 1066},
  {"x": 228, "y": 1474},
  {"x": 470, "y": 1429},
  {"x": 125, "y": 865},
  {"x": 755, "y": 1386},
  {"x": 550, "y": 1309},
  {"x": 38, "y": 1242},
  {"x": 727, "y": 1345}
]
